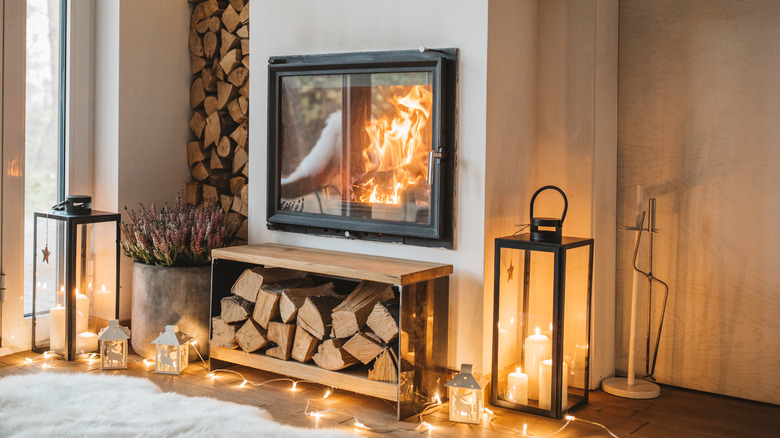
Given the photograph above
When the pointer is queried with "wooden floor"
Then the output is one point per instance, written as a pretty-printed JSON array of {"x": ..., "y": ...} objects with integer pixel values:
[{"x": 677, "y": 413}]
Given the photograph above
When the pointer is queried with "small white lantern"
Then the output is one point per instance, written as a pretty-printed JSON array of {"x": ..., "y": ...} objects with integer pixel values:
[
  {"x": 171, "y": 351},
  {"x": 467, "y": 397},
  {"x": 113, "y": 346}
]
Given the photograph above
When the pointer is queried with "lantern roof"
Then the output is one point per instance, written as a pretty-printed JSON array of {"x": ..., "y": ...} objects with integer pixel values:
[
  {"x": 171, "y": 336},
  {"x": 464, "y": 379},
  {"x": 114, "y": 332}
]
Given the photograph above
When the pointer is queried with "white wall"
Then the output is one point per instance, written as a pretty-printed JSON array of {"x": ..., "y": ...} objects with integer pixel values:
[
  {"x": 304, "y": 27},
  {"x": 698, "y": 126},
  {"x": 502, "y": 46},
  {"x": 142, "y": 80}
]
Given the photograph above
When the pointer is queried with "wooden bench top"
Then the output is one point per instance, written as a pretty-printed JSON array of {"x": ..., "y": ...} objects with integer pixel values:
[{"x": 341, "y": 264}]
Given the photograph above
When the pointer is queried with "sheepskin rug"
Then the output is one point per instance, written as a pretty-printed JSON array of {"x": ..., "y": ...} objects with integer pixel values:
[{"x": 89, "y": 405}]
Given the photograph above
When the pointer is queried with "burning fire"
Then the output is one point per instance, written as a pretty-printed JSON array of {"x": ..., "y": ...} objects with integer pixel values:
[{"x": 397, "y": 154}]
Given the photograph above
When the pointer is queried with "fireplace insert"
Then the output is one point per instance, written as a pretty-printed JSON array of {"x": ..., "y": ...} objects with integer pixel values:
[{"x": 362, "y": 145}]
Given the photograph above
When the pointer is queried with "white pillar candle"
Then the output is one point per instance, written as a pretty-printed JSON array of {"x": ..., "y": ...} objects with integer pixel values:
[
  {"x": 86, "y": 342},
  {"x": 537, "y": 349},
  {"x": 82, "y": 312},
  {"x": 517, "y": 387},
  {"x": 578, "y": 366},
  {"x": 57, "y": 329},
  {"x": 545, "y": 385},
  {"x": 104, "y": 303}
]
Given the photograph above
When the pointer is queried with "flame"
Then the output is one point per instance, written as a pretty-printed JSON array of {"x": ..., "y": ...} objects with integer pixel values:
[{"x": 396, "y": 156}]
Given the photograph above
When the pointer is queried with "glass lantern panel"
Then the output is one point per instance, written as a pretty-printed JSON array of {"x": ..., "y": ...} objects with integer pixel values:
[
  {"x": 465, "y": 404},
  {"x": 48, "y": 282},
  {"x": 524, "y": 323},
  {"x": 576, "y": 330},
  {"x": 185, "y": 356},
  {"x": 113, "y": 354}
]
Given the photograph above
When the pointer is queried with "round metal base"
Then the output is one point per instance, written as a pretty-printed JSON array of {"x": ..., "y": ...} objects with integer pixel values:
[{"x": 641, "y": 389}]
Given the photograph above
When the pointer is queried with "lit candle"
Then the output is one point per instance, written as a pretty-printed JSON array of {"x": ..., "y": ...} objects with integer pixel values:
[
  {"x": 545, "y": 385},
  {"x": 82, "y": 312},
  {"x": 86, "y": 342},
  {"x": 578, "y": 365},
  {"x": 57, "y": 329},
  {"x": 537, "y": 349},
  {"x": 517, "y": 387},
  {"x": 104, "y": 303}
]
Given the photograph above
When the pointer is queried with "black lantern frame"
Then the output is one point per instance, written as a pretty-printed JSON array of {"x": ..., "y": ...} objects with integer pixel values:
[
  {"x": 68, "y": 259},
  {"x": 559, "y": 248}
]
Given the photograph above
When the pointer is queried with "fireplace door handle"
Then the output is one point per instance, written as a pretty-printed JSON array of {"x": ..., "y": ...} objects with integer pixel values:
[{"x": 432, "y": 155}]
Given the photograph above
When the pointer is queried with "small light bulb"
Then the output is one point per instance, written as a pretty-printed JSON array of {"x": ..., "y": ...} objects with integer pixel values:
[
  {"x": 243, "y": 384},
  {"x": 46, "y": 355},
  {"x": 45, "y": 365},
  {"x": 193, "y": 342},
  {"x": 428, "y": 425},
  {"x": 210, "y": 376},
  {"x": 92, "y": 356},
  {"x": 315, "y": 415},
  {"x": 294, "y": 385},
  {"x": 525, "y": 428},
  {"x": 570, "y": 418},
  {"x": 437, "y": 399},
  {"x": 28, "y": 360},
  {"x": 360, "y": 425},
  {"x": 487, "y": 411},
  {"x": 327, "y": 394}
]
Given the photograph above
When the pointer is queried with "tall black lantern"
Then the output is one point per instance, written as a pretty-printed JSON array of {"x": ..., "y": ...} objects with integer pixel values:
[
  {"x": 75, "y": 279},
  {"x": 541, "y": 318}
]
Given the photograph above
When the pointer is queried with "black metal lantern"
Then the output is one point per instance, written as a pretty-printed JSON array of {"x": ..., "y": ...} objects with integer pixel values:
[
  {"x": 75, "y": 268},
  {"x": 541, "y": 318}
]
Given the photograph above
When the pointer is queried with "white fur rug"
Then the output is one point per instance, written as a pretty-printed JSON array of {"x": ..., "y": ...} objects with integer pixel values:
[{"x": 89, "y": 405}]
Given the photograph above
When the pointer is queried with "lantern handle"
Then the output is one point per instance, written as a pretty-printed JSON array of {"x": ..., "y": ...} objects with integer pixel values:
[{"x": 565, "y": 201}]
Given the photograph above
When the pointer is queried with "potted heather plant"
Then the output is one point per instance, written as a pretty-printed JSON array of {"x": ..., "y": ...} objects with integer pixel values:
[{"x": 171, "y": 249}]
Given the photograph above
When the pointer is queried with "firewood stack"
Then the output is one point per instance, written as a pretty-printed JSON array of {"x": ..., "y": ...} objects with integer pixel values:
[
  {"x": 219, "y": 58},
  {"x": 282, "y": 314}
]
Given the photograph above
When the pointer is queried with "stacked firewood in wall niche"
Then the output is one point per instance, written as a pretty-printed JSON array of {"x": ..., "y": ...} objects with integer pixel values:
[
  {"x": 283, "y": 314},
  {"x": 219, "y": 58}
]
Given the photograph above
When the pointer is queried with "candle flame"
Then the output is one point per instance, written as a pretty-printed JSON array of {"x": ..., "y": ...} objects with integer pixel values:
[
  {"x": 519, "y": 370},
  {"x": 550, "y": 326},
  {"x": 538, "y": 332},
  {"x": 103, "y": 288}
]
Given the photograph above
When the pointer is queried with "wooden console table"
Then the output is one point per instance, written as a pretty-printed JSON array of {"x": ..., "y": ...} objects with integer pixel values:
[{"x": 423, "y": 318}]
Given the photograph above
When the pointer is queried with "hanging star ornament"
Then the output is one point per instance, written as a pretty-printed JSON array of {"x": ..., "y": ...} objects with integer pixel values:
[
  {"x": 510, "y": 271},
  {"x": 46, "y": 254}
]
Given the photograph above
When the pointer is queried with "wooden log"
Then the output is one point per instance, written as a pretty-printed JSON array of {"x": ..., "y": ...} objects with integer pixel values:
[
  {"x": 239, "y": 159},
  {"x": 217, "y": 69},
  {"x": 197, "y": 93},
  {"x": 243, "y": 17},
  {"x": 196, "y": 63},
  {"x": 210, "y": 193},
  {"x": 244, "y": 90},
  {"x": 231, "y": 59},
  {"x": 240, "y": 207},
  {"x": 198, "y": 123},
  {"x": 195, "y": 152},
  {"x": 245, "y": 193},
  {"x": 196, "y": 44},
  {"x": 235, "y": 309},
  {"x": 242, "y": 32},
  {"x": 245, "y": 171},
  {"x": 304, "y": 345},
  {"x": 213, "y": 130},
  {"x": 193, "y": 193},
  {"x": 220, "y": 180},
  {"x": 210, "y": 105},
  {"x": 383, "y": 319},
  {"x": 351, "y": 315},
  {"x": 226, "y": 201},
  {"x": 384, "y": 369},
  {"x": 315, "y": 314},
  {"x": 243, "y": 230},
  {"x": 245, "y": 61},
  {"x": 209, "y": 44},
  {"x": 224, "y": 147},
  {"x": 234, "y": 109},
  {"x": 201, "y": 171},
  {"x": 245, "y": 46},
  {"x": 222, "y": 333},
  {"x": 229, "y": 41},
  {"x": 251, "y": 280},
  {"x": 291, "y": 300},
  {"x": 209, "y": 80},
  {"x": 267, "y": 301},
  {"x": 283, "y": 335},
  {"x": 251, "y": 337},
  {"x": 216, "y": 162},
  {"x": 203, "y": 10},
  {"x": 332, "y": 356},
  {"x": 238, "y": 76},
  {"x": 202, "y": 26},
  {"x": 240, "y": 135},
  {"x": 363, "y": 347},
  {"x": 214, "y": 24},
  {"x": 238, "y": 5},
  {"x": 225, "y": 92},
  {"x": 237, "y": 183},
  {"x": 230, "y": 19}
]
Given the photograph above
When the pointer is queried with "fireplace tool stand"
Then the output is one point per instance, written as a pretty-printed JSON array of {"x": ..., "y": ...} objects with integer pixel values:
[{"x": 629, "y": 387}]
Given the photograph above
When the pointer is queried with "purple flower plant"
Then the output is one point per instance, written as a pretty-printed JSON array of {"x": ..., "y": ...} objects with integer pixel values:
[{"x": 182, "y": 235}]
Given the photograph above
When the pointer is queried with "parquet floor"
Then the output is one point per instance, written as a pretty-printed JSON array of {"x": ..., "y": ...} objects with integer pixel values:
[{"x": 677, "y": 413}]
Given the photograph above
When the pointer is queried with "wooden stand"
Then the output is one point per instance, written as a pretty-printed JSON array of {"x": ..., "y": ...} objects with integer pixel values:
[{"x": 423, "y": 289}]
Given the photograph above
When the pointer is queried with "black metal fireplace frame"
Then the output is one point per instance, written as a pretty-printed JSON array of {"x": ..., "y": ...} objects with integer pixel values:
[{"x": 442, "y": 63}]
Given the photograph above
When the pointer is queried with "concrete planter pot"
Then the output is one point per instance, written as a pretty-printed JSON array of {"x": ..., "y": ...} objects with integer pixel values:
[{"x": 170, "y": 296}]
